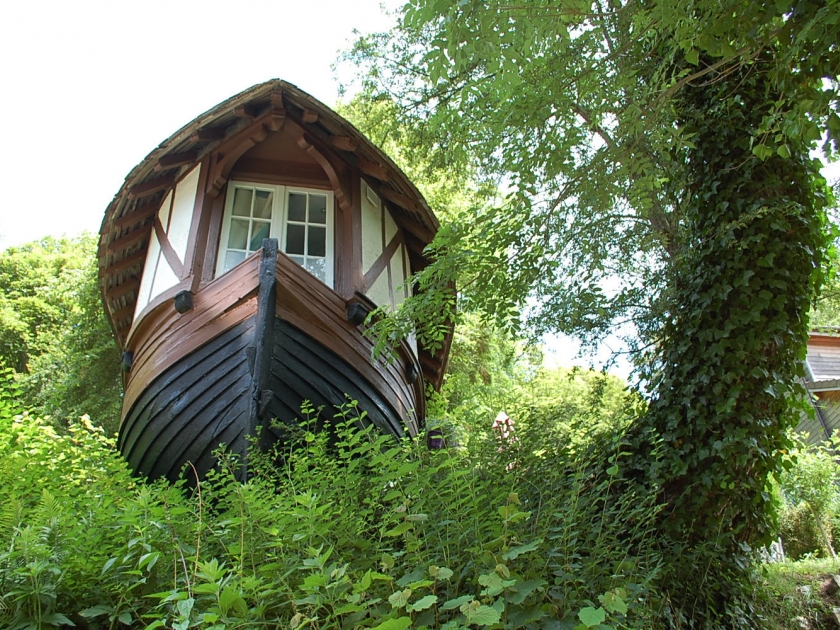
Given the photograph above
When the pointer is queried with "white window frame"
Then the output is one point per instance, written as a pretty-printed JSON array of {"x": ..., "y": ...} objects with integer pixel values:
[{"x": 279, "y": 222}]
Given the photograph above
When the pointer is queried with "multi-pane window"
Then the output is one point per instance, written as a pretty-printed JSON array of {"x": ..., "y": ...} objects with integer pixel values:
[{"x": 300, "y": 219}]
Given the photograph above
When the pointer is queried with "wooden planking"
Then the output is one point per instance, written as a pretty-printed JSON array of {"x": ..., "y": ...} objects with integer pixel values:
[
  {"x": 162, "y": 336},
  {"x": 191, "y": 408},
  {"x": 320, "y": 313},
  {"x": 303, "y": 369}
]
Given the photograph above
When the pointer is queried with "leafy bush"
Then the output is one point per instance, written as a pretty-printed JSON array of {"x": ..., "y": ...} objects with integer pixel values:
[
  {"x": 338, "y": 529},
  {"x": 811, "y": 499}
]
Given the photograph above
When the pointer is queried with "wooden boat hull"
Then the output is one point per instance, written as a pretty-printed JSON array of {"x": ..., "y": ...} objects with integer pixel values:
[{"x": 270, "y": 339}]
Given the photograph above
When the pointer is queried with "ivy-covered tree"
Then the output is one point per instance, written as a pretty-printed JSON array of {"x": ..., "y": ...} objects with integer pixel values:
[{"x": 656, "y": 157}]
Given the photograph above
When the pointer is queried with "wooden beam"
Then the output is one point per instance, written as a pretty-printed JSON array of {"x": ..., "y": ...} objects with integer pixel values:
[
  {"x": 429, "y": 362},
  {"x": 309, "y": 116},
  {"x": 398, "y": 198},
  {"x": 345, "y": 143},
  {"x": 176, "y": 159},
  {"x": 246, "y": 111},
  {"x": 151, "y": 186},
  {"x": 138, "y": 215},
  {"x": 116, "y": 292},
  {"x": 132, "y": 238},
  {"x": 125, "y": 263},
  {"x": 208, "y": 134},
  {"x": 277, "y": 116},
  {"x": 125, "y": 311},
  {"x": 373, "y": 169}
]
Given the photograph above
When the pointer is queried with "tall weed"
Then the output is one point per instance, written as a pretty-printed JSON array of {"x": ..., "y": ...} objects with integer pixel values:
[{"x": 337, "y": 529}]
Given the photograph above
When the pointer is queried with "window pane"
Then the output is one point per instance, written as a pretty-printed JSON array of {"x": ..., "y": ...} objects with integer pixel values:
[
  {"x": 242, "y": 202},
  {"x": 232, "y": 259},
  {"x": 317, "y": 245},
  {"x": 318, "y": 268},
  {"x": 260, "y": 231},
  {"x": 297, "y": 259},
  {"x": 297, "y": 207},
  {"x": 294, "y": 239},
  {"x": 262, "y": 204},
  {"x": 238, "y": 238},
  {"x": 318, "y": 209}
]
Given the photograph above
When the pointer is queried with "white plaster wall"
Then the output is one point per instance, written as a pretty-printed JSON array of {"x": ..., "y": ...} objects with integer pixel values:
[
  {"x": 379, "y": 292},
  {"x": 149, "y": 269},
  {"x": 371, "y": 230},
  {"x": 398, "y": 275},
  {"x": 182, "y": 211}
]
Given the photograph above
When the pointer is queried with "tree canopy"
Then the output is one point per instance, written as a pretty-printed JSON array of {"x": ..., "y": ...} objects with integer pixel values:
[{"x": 655, "y": 162}]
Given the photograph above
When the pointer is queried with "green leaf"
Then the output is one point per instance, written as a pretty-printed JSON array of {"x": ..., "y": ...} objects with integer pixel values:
[
  {"x": 515, "y": 552},
  {"x": 483, "y": 616},
  {"x": 783, "y": 150},
  {"x": 613, "y": 602},
  {"x": 423, "y": 603},
  {"x": 693, "y": 56},
  {"x": 95, "y": 611},
  {"x": 592, "y": 617},
  {"x": 457, "y": 602},
  {"x": 400, "y": 623},
  {"x": 400, "y": 598}
]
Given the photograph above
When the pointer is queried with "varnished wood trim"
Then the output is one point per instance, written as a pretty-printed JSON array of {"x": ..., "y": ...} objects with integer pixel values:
[
  {"x": 176, "y": 159},
  {"x": 132, "y": 238},
  {"x": 345, "y": 143},
  {"x": 226, "y": 156},
  {"x": 138, "y": 215},
  {"x": 248, "y": 112},
  {"x": 318, "y": 311},
  {"x": 197, "y": 239},
  {"x": 116, "y": 292},
  {"x": 151, "y": 186},
  {"x": 339, "y": 192},
  {"x": 125, "y": 263},
  {"x": 373, "y": 169},
  {"x": 208, "y": 134},
  {"x": 160, "y": 335}
]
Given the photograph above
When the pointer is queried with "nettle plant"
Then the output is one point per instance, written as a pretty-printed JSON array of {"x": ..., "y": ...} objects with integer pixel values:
[{"x": 342, "y": 528}]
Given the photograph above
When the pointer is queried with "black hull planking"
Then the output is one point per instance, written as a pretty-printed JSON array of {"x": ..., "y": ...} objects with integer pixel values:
[{"x": 206, "y": 399}]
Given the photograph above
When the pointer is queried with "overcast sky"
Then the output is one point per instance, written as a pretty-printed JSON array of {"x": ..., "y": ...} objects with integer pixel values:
[{"x": 90, "y": 87}]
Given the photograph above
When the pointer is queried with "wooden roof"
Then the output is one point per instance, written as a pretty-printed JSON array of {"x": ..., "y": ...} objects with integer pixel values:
[{"x": 126, "y": 228}]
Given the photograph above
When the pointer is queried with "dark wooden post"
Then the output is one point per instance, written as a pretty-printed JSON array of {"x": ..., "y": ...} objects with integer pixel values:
[{"x": 263, "y": 338}]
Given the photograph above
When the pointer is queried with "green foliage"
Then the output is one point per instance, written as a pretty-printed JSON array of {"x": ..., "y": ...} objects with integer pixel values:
[
  {"x": 53, "y": 330},
  {"x": 341, "y": 529},
  {"x": 811, "y": 499},
  {"x": 657, "y": 161}
]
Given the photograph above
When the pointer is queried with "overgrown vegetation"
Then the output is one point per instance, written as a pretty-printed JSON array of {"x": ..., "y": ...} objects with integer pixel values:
[{"x": 53, "y": 331}]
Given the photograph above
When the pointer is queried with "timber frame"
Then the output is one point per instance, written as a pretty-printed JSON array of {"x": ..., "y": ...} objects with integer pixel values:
[{"x": 217, "y": 140}]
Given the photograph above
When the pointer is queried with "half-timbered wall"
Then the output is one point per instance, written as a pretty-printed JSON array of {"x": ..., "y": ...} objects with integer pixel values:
[
  {"x": 384, "y": 257},
  {"x": 166, "y": 256}
]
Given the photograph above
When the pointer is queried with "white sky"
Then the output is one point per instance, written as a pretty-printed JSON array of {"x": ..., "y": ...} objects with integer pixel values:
[{"x": 88, "y": 88}]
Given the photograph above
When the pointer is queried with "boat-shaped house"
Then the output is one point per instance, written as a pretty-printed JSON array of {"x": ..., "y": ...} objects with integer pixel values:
[{"x": 237, "y": 265}]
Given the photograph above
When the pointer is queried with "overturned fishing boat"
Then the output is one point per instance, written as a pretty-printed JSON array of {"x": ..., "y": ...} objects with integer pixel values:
[{"x": 238, "y": 263}]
